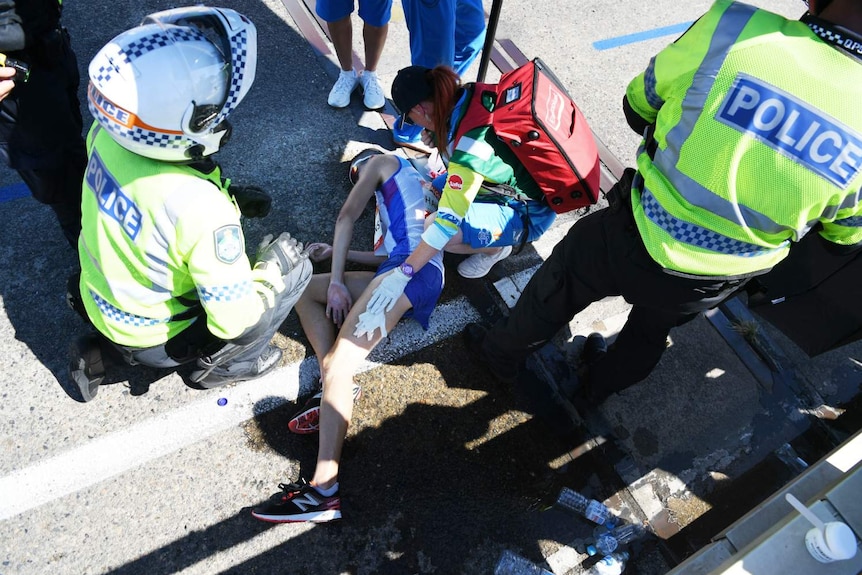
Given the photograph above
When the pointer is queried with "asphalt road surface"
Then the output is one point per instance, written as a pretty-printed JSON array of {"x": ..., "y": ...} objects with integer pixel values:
[{"x": 443, "y": 468}]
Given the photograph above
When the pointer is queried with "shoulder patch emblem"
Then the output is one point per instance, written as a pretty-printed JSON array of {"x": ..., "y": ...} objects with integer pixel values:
[{"x": 228, "y": 243}]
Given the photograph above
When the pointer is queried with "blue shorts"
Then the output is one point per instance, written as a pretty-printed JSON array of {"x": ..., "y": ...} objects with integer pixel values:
[
  {"x": 490, "y": 225},
  {"x": 423, "y": 290},
  {"x": 372, "y": 12}
]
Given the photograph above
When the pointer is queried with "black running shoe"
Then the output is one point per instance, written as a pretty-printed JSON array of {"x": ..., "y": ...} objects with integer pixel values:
[
  {"x": 86, "y": 367},
  {"x": 299, "y": 502}
]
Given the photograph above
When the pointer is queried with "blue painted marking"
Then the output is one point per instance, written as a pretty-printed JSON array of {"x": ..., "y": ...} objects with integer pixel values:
[
  {"x": 14, "y": 192},
  {"x": 641, "y": 36}
]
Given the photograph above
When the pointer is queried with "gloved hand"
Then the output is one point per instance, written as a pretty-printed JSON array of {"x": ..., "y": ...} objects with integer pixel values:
[
  {"x": 385, "y": 295},
  {"x": 338, "y": 302},
  {"x": 253, "y": 202},
  {"x": 368, "y": 322},
  {"x": 283, "y": 251}
]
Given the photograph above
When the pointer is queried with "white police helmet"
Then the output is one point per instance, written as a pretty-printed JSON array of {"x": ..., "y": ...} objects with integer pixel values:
[{"x": 164, "y": 89}]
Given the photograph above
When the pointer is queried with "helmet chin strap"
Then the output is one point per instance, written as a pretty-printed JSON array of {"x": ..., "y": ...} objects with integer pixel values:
[
  {"x": 207, "y": 138},
  {"x": 198, "y": 151},
  {"x": 195, "y": 153}
]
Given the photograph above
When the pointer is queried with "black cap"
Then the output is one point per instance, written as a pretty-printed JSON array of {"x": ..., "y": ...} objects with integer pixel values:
[{"x": 411, "y": 87}]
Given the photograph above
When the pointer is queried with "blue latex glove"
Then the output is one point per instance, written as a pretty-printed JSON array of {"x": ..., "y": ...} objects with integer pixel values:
[
  {"x": 368, "y": 322},
  {"x": 385, "y": 295}
]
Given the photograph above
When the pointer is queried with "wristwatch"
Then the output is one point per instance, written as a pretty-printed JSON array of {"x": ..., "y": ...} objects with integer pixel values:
[{"x": 406, "y": 269}]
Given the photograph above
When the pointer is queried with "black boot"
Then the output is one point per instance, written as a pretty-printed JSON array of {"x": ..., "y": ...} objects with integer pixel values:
[
  {"x": 86, "y": 366},
  {"x": 219, "y": 376},
  {"x": 595, "y": 348}
]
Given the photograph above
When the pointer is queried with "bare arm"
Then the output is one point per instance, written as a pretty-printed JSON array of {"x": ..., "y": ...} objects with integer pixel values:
[
  {"x": 319, "y": 252},
  {"x": 338, "y": 299},
  {"x": 365, "y": 258},
  {"x": 360, "y": 195}
]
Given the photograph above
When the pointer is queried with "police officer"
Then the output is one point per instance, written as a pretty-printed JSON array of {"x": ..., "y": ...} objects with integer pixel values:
[
  {"x": 753, "y": 138},
  {"x": 40, "y": 120},
  {"x": 164, "y": 274}
]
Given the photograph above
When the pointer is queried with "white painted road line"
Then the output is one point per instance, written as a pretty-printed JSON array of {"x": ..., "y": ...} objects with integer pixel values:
[{"x": 110, "y": 455}]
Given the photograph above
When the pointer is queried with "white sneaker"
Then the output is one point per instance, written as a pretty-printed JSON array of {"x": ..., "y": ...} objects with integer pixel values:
[
  {"x": 339, "y": 96},
  {"x": 478, "y": 265},
  {"x": 374, "y": 98}
]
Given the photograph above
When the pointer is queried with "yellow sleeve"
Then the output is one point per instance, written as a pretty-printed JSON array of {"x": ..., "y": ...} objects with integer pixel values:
[
  {"x": 219, "y": 267},
  {"x": 462, "y": 186}
]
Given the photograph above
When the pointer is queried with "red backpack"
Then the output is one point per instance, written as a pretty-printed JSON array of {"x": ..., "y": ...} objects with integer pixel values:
[{"x": 535, "y": 116}]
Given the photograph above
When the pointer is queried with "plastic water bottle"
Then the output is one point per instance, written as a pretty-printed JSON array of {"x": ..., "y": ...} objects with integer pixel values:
[
  {"x": 511, "y": 563},
  {"x": 610, "y": 564},
  {"x": 593, "y": 510},
  {"x": 608, "y": 542}
]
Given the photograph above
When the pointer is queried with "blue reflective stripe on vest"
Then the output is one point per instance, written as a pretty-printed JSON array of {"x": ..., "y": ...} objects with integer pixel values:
[
  {"x": 699, "y": 236},
  {"x": 852, "y": 222},
  {"x": 649, "y": 86},
  {"x": 233, "y": 292},
  {"x": 116, "y": 314}
]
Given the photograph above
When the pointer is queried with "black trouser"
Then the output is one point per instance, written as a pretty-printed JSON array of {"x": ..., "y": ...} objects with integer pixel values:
[
  {"x": 190, "y": 344},
  {"x": 40, "y": 134},
  {"x": 603, "y": 255},
  {"x": 197, "y": 342}
]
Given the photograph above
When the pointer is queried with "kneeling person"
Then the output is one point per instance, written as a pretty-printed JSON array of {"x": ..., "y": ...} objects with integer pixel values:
[{"x": 165, "y": 279}]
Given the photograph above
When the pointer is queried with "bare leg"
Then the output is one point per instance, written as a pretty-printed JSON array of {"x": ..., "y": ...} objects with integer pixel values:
[
  {"x": 340, "y": 365},
  {"x": 311, "y": 309},
  {"x": 341, "y": 32},
  {"x": 375, "y": 38}
]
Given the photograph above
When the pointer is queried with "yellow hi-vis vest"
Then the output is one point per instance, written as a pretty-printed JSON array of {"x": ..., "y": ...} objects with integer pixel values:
[
  {"x": 759, "y": 138},
  {"x": 158, "y": 239}
]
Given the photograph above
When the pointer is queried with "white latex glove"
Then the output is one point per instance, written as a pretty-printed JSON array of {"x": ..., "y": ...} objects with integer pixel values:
[
  {"x": 385, "y": 295},
  {"x": 368, "y": 322}
]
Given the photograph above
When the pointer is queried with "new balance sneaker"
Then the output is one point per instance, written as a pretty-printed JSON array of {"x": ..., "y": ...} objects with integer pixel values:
[
  {"x": 373, "y": 97},
  {"x": 478, "y": 265},
  {"x": 339, "y": 96},
  {"x": 298, "y": 502},
  {"x": 307, "y": 419}
]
